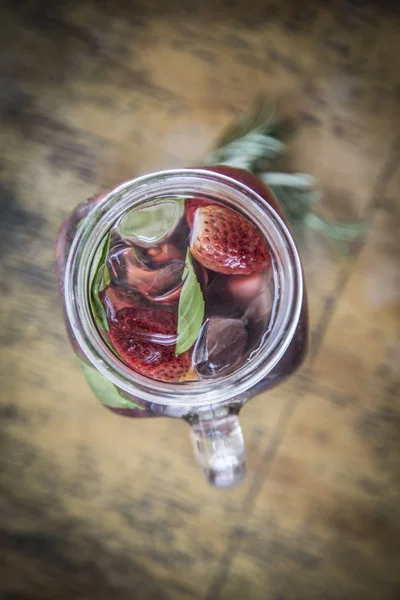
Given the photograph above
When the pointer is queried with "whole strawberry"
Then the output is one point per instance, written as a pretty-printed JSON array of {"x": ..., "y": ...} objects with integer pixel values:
[
  {"x": 145, "y": 340},
  {"x": 224, "y": 241}
]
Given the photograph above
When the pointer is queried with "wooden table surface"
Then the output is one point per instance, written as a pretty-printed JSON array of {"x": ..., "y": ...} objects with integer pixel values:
[{"x": 94, "y": 506}]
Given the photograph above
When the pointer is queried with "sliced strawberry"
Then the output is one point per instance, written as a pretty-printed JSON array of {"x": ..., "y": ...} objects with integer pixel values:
[
  {"x": 191, "y": 205},
  {"x": 224, "y": 241},
  {"x": 145, "y": 340}
]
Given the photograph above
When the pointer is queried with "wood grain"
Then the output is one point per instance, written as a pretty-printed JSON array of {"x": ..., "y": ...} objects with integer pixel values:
[{"x": 97, "y": 506}]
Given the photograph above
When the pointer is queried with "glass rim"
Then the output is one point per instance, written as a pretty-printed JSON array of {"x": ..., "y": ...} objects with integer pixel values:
[{"x": 183, "y": 182}]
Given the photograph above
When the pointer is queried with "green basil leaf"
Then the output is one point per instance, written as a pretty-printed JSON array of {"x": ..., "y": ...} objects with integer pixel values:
[
  {"x": 99, "y": 278},
  {"x": 106, "y": 391},
  {"x": 105, "y": 279},
  {"x": 191, "y": 308},
  {"x": 150, "y": 224}
]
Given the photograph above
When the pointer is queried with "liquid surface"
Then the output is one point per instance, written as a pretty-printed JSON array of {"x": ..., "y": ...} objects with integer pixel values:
[{"x": 183, "y": 289}]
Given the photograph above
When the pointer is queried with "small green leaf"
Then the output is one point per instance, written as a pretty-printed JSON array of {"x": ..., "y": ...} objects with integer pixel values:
[
  {"x": 106, "y": 391},
  {"x": 149, "y": 224},
  {"x": 99, "y": 278},
  {"x": 191, "y": 308}
]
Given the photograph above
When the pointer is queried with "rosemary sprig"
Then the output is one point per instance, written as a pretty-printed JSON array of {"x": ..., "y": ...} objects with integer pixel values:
[
  {"x": 260, "y": 118},
  {"x": 252, "y": 137},
  {"x": 255, "y": 143}
]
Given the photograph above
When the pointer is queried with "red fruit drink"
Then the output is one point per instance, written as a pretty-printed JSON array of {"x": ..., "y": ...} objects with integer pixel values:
[{"x": 183, "y": 296}]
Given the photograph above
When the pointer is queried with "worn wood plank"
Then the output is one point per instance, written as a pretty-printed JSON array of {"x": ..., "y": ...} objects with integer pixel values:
[{"x": 93, "y": 505}]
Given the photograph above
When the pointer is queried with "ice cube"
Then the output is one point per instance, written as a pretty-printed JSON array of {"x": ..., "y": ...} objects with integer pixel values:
[
  {"x": 258, "y": 316},
  {"x": 218, "y": 298},
  {"x": 245, "y": 288},
  {"x": 114, "y": 298},
  {"x": 162, "y": 284},
  {"x": 260, "y": 305},
  {"x": 161, "y": 255},
  {"x": 152, "y": 223},
  {"x": 220, "y": 346},
  {"x": 253, "y": 295},
  {"x": 167, "y": 283}
]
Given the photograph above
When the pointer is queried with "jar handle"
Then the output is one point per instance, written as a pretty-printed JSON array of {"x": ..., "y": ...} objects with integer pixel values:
[{"x": 219, "y": 448}]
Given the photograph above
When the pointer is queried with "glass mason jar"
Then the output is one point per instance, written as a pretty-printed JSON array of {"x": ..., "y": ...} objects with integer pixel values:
[{"x": 210, "y": 407}]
